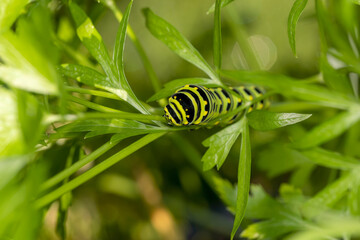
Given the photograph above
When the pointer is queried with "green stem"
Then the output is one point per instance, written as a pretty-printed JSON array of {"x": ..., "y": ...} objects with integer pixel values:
[
  {"x": 76, "y": 166},
  {"x": 92, "y": 105},
  {"x": 90, "y": 115},
  {"x": 93, "y": 92},
  {"x": 52, "y": 196}
]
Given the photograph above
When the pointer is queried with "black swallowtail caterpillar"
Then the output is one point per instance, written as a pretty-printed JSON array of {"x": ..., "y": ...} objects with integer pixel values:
[{"x": 197, "y": 105}]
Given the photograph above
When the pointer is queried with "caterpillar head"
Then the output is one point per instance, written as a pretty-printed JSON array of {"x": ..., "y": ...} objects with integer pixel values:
[{"x": 171, "y": 116}]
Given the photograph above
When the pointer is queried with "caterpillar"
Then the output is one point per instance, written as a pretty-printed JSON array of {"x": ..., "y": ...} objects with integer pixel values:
[{"x": 198, "y": 105}]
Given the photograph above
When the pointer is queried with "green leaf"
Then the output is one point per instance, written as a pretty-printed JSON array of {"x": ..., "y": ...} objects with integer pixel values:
[
  {"x": 279, "y": 159},
  {"x": 219, "y": 145},
  {"x": 356, "y": 1},
  {"x": 331, "y": 159},
  {"x": 172, "y": 38},
  {"x": 9, "y": 11},
  {"x": 264, "y": 120},
  {"x": 120, "y": 40},
  {"x": 10, "y": 131},
  {"x": 30, "y": 116},
  {"x": 223, "y": 4},
  {"x": 335, "y": 79},
  {"x": 87, "y": 76},
  {"x": 25, "y": 67},
  {"x": 294, "y": 15},
  {"x": 217, "y": 44},
  {"x": 332, "y": 193},
  {"x": 226, "y": 192},
  {"x": 289, "y": 87},
  {"x": 9, "y": 168},
  {"x": 244, "y": 171},
  {"x": 171, "y": 87},
  {"x": 329, "y": 129},
  {"x": 92, "y": 40},
  {"x": 271, "y": 229},
  {"x": 262, "y": 206}
]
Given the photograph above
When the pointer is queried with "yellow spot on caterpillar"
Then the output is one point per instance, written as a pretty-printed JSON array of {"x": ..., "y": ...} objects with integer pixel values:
[
  {"x": 186, "y": 109},
  {"x": 217, "y": 122},
  {"x": 175, "y": 97},
  {"x": 205, "y": 113},
  {"x": 187, "y": 116},
  {"x": 187, "y": 85},
  {"x": 228, "y": 100},
  {"x": 196, "y": 88},
  {"x": 251, "y": 98},
  {"x": 250, "y": 109},
  {"x": 205, "y": 102}
]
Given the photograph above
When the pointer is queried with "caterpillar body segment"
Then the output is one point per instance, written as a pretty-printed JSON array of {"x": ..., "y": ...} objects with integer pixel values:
[{"x": 197, "y": 105}]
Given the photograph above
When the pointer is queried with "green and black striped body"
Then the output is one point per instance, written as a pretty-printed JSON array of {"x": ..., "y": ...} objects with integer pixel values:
[{"x": 198, "y": 105}]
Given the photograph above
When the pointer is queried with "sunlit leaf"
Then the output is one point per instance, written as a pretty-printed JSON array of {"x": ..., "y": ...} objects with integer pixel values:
[
  {"x": 92, "y": 40},
  {"x": 10, "y": 130},
  {"x": 219, "y": 145},
  {"x": 25, "y": 67},
  {"x": 244, "y": 171},
  {"x": 9, "y": 11},
  {"x": 87, "y": 76},
  {"x": 294, "y": 15},
  {"x": 264, "y": 120},
  {"x": 171, "y": 37}
]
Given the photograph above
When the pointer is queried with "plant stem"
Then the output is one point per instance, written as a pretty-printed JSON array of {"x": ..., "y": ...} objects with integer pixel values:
[
  {"x": 93, "y": 92},
  {"x": 76, "y": 166},
  {"x": 91, "y": 105},
  {"x": 89, "y": 115},
  {"x": 52, "y": 196}
]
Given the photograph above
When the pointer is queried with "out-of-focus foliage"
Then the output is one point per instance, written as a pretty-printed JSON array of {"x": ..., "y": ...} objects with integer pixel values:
[{"x": 75, "y": 77}]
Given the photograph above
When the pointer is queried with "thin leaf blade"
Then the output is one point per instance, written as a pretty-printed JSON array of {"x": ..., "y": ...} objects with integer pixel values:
[
  {"x": 172, "y": 38},
  {"x": 294, "y": 15},
  {"x": 244, "y": 172},
  {"x": 264, "y": 120}
]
